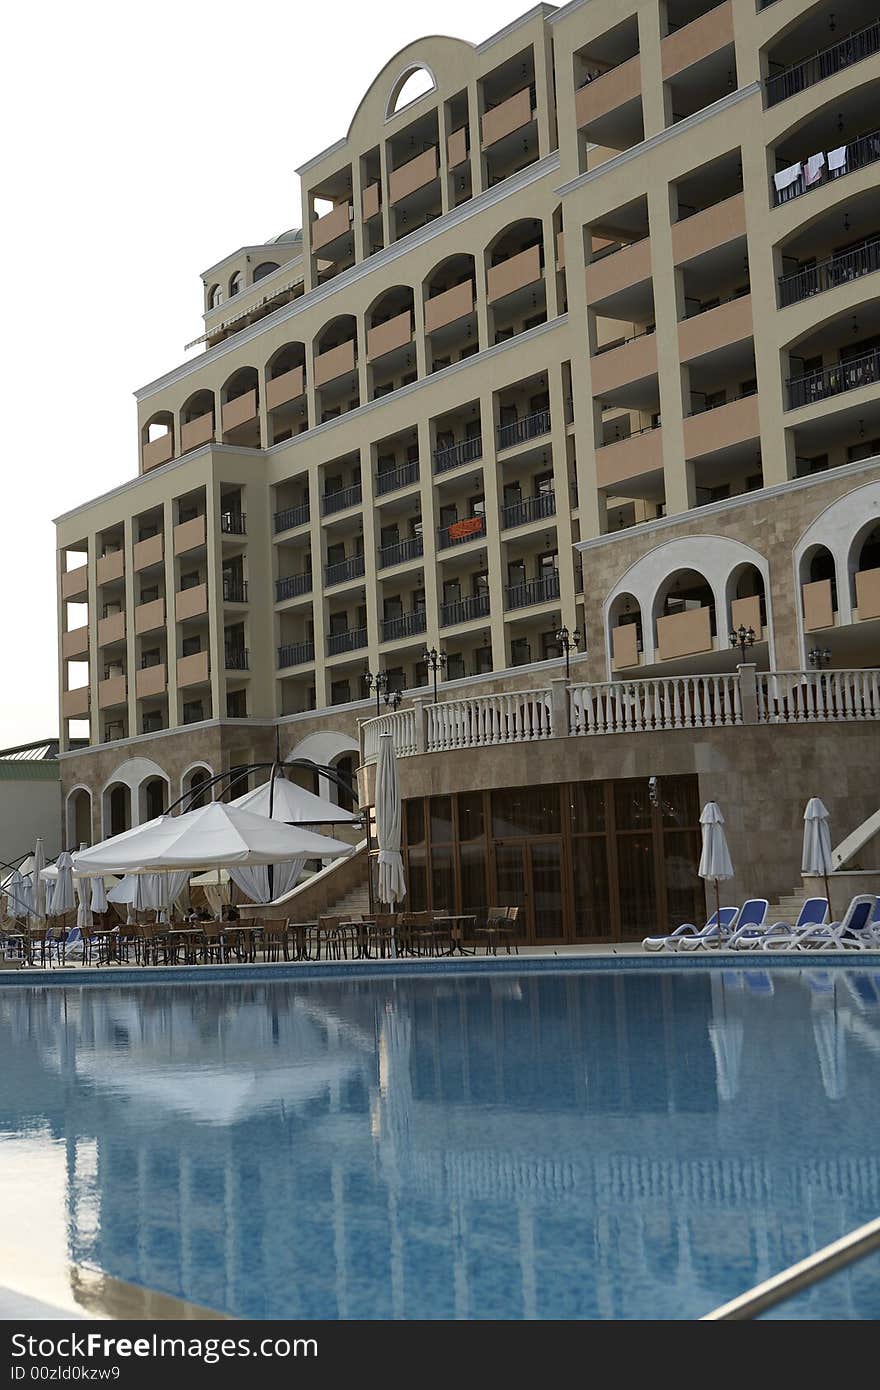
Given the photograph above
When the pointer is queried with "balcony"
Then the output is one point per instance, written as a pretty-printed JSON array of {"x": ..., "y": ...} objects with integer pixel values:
[
  {"x": 295, "y": 654},
  {"x": 75, "y": 582},
  {"x": 510, "y": 115},
  {"x": 456, "y": 148},
  {"x": 111, "y": 629},
  {"x": 464, "y": 610},
  {"x": 450, "y": 306},
  {"x": 336, "y": 362},
  {"x": 470, "y": 528},
  {"x": 533, "y": 591},
  {"x": 149, "y": 617},
  {"x": 110, "y": 567},
  {"x": 148, "y": 552},
  {"x": 157, "y": 451},
  {"x": 389, "y": 336},
  {"x": 331, "y": 226},
  {"x": 867, "y": 595},
  {"x": 412, "y": 176},
  {"x": 852, "y": 49},
  {"x": 620, "y": 270},
  {"x": 235, "y": 590},
  {"x": 371, "y": 201},
  {"x": 521, "y": 431},
  {"x": 455, "y": 455},
  {"x": 716, "y": 328},
  {"x": 859, "y": 153},
  {"x": 75, "y": 703},
  {"x": 514, "y": 274},
  {"x": 239, "y": 412},
  {"x": 608, "y": 91},
  {"x": 410, "y": 549},
  {"x": 746, "y": 612},
  {"x": 189, "y": 535},
  {"x": 151, "y": 681},
  {"x": 112, "y": 691},
  {"x": 829, "y": 274},
  {"x": 236, "y": 658},
  {"x": 697, "y": 40},
  {"x": 191, "y": 603},
  {"x": 529, "y": 509},
  {"x": 709, "y": 229},
  {"x": 626, "y": 460},
  {"x": 233, "y": 523},
  {"x": 349, "y": 641},
  {"x": 818, "y": 601},
  {"x": 340, "y": 500},
  {"x": 290, "y": 517},
  {"x": 624, "y": 647},
  {"x": 833, "y": 381},
  {"x": 394, "y": 478},
  {"x": 289, "y": 386},
  {"x": 623, "y": 364},
  {"x": 193, "y": 670},
  {"x": 735, "y": 422},
  {"x": 75, "y": 643},
  {"x": 684, "y": 634},
  {"x": 196, "y": 432},
  {"x": 407, "y": 625},
  {"x": 344, "y": 571},
  {"x": 292, "y": 585}
]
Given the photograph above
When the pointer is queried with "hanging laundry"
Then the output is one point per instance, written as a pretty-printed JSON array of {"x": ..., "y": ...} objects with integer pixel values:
[
  {"x": 786, "y": 177},
  {"x": 837, "y": 158},
  {"x": 813, "y": 169}
]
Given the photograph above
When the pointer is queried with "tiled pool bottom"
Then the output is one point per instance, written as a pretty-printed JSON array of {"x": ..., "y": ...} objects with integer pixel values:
[{"x": 521, "y": 1143}]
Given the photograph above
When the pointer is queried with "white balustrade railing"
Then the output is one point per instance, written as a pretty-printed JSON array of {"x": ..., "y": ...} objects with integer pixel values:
[
  {"x": 671, "y": 702},
  {"x": 517, "y": 717},
  {"x": 809, "y": 697},
  {"x": 401, "y": 726}
]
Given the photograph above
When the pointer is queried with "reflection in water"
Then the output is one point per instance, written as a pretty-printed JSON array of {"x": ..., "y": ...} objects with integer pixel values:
[{"x": 596, "y": 1144}]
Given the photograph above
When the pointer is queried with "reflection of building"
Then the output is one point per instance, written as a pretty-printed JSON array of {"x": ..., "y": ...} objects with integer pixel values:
[
  {"x": 570, "y": 1147},
  {"x": 567, "y": 340}
]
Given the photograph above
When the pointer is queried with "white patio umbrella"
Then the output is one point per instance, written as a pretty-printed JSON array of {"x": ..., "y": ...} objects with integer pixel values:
[
  {"x": 38, "y": 888},
  {"x": 16, "y": 890},
  {"x": 293, "y": 804},
  {"x": 62, "y": 893},
  {"x": 83, "y": 910},
  {"x": 391, "y": 887},
  {"x": 816, "y": 858},
  {"x": 99, "y": 893},
  {"x": 715, "y": 860}
]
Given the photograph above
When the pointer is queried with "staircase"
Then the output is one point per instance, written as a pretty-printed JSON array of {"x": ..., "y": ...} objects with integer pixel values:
[
  {"x": 787, "y": 908},
  {"x": 355, "y": 903}
]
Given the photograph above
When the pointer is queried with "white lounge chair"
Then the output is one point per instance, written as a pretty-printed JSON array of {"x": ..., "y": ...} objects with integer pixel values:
[
  {"x": 853, "y": 932},
  {"x": 814, "y": 913},
  {"x": 693, "y": 934}
]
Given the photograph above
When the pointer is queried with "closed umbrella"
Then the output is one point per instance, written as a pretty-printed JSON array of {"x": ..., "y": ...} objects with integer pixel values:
[
  {"x": 715, "y": 860},
  {"x": 83, "y": 909},
  {"x": 99, "y": 894},
  {"x": 391, "y": 886},
  {"x": 63, "y": 899},
  {"x": 816, "y": 858},
  {"x": 17, "y": 894}
]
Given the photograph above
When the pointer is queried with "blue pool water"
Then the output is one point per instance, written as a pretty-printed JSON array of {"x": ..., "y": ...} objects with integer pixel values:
[{"x": 588, "y": 1144}]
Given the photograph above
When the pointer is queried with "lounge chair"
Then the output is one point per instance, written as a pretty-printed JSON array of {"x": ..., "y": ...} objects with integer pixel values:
[
  {"x": 814, "y": 913},
  {"x": 852, "y": 932},
  {"x": 710, "y": 931},
  {"x": 751, "y": 919}
]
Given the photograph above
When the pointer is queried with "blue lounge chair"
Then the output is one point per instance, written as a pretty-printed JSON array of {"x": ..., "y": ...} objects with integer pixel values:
[
  {"x": 852, "y": 932},
  {"x": 814, "y": 913},
  {"x": 692, "y": 933},
  {"x": 750, "y": 920}
]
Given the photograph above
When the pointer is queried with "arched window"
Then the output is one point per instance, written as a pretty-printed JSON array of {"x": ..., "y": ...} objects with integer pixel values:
[
  {"x": 196, "y": 783},
  {"x": 235, "y": 284},
  {"x": 345, "y": 767},
  {"x": 411, "y": 85},
  {"x": 120, "y": 809},
  {"x": 263, "y": 269},
  {"x": 215, "y": 297},
  {"x": 154, "y": 798}
]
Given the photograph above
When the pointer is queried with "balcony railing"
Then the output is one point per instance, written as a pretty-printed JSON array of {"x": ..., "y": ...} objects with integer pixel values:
[
  {"x": 350, "y": 641},
  {"x": 292, "y": 516},
  {"x": 338, "y": 501},
  {"x": 395, "y": 478},
  {"x": 464, "y": 610},
  {"x": 407, "y": 625},
  {"x": 529, "y": 509},
  {"x": 295, "y": 654},
  {"x": 233, "y": 523},
  {"x": 859, "y": 153},
  {"x": 852, "y": 49},
  {"x": 518, "y": 431},
  {"x": 235, "y": 590},
  {"x": 291, "y": 585},
  {"x": 810, "y": 697},
  {"x": 236, "y": 659},
  {"x": 456, "y": 454},
  {"x": 832, "y": 381},
  {"x": 829, "y": 274},
  {"x": 344, "y": 570},
  {"x": 533, "y": 591},
  {"x": 396, "y": 554},
  {"x": 468, "y": 529}
]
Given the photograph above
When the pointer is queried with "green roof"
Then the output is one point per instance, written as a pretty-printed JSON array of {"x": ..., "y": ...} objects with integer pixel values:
[{"x": 23, "y": 770}]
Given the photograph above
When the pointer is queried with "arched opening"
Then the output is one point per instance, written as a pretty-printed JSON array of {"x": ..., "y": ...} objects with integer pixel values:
[
  {"x": 215, "y": 297},
  {"x": 239, "y": 405},
  {"x": 346, "y": 767},
  {"x": 157, "y": 439},
  {"x": 335, "y": 369},
  {"x": 79, "y": 818},
  {"x": 746, "y": 600},
  {"x": 196, "y": 784},
  {"x": 153, "y": 798},
  {"x": 117, "y": 809},
  {"x": 265, "y": 268},
  {"x": 515, "y": 285},
  {"x": 196, "y": 420},
  {"x": 684, "y": 615},
  {"x": 450, "y": 312},
  {"x": 865, "y": 572},
  {"x": 818, "y": 574},
  {"x": 390, "y": 349},
  {"x": 411, "y": 85},
  {"x": 625, "y": 625},
  {"x": 235, "y": 283},
  {"x": 286, "y": 392}
]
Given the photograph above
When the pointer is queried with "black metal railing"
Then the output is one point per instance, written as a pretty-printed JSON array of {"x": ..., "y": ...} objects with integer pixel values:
[
  {"x": 851, "y": 49},
  {"x": 291, "y": 585},
  {"x": 338, "y": 501},
  {"x": 395, "y": 478},
  {"x": 864, "y": 150},
  {"x": 296, "y": 653},
  {"x": 459, "y": 532},
  {"x": 292, "y": 516},
  {"x": 618, "y": 439},
  {"x": 456, "y": 454},
  {"x": 528, "y": 509},
  {"x": 827, "y": 275},
  {"x": 236, "y": 659},
  {"x": 407, "y": 625},
  {"x": 532, "y": 591},
  {"x": 623, "y": 342},
  {"x": 831, "y": 381},
  {"x": 409, "y": 549},
  {"x": 352, "y": 568},
  {"x": 349, "y": 641},
  {"x": 233, "y": 523},
  {"x": 147, "y": 662},
  {"x": 518, "y": 431},
  {"x": 463, "y": 610},
  {"x": 235, "y": 590},
  {"x": 719, "y": 405}
]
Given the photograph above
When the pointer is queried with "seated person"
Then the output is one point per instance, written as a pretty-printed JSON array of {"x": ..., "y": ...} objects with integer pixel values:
[{"x": 229, "y": 913}]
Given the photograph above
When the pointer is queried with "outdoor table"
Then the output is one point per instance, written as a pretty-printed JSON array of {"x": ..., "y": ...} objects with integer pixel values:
[
  {"x": 188, "y": 937},
  {"x": 233, "y": 929},
  {"x": 456, "y": 924},
  {"x": 299, "y": 930}
]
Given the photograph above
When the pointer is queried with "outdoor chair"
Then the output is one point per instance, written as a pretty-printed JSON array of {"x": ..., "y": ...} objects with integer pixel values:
[
  {"x": 212, "y": 943},
  {"x": 276, "y": 933},
  {"x": 716, "y": 925},
  {"x": 814, "y": 913},
  {"x": 749, "y": 924},
  {"x": 501, "y": 925},
  {"x": 853, "y": 932},
  {"x": 379, "y": 933}
]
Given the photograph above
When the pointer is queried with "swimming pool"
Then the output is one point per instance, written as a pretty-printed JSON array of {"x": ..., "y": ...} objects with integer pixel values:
[{"x": 634, "y": 1143}]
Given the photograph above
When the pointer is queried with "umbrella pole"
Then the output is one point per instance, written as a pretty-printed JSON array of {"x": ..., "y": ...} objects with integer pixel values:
[
  {"x": 718, "y": 908},
  {"x": 828, "y": 896}
]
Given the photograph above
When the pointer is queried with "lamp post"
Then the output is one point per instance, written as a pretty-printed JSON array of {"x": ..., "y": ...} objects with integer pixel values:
[
  {"x": 742, "y": 637},
  {"x": 819, "y": 656},
  {"x": 392, "y": 699},
  {"x": 379, "y": 683},
  {"x": 568, "y": 640},
  {"x": 434, "y": 661}
]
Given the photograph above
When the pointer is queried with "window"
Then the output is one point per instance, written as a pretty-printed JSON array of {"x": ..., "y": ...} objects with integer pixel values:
[
  {"x": 215, "y": 297},
  {"x": 152, "y": 722},
  {"x": 149, "y": 593},
  {"x": 190, "y": 646},
  {"x": 455, "y": 666},
  {"x": 236, "y": 704},
  {"x": 340, "y": 693},
  {"x": 520, "y": 651},
  {"x": 235, "y": 284},
  {"x": 152, "y": 657},
  {"x": 190, "y": 580},
  {"x": 482, "y": 661},
  {"x": 192, "y": 711},
  {"x": 263, "y": 269}
]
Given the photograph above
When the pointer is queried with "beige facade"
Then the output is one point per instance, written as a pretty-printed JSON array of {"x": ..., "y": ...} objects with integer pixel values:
[{"x": 585, "y": 337}]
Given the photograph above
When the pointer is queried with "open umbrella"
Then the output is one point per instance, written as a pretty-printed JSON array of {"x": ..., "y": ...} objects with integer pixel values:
[
  {"x": 292, "y": 804},
  {"x": 816, "y": 857},
  {"x": 715, "y": 860},
  {"x": 391, "y": 886}
]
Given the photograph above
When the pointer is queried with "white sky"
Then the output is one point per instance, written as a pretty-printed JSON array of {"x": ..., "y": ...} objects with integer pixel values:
[{"x": 141, "y": 144}]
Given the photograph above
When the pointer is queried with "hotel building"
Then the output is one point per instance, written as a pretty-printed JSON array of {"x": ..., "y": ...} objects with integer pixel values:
[{"x": 582, "y": 337}]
